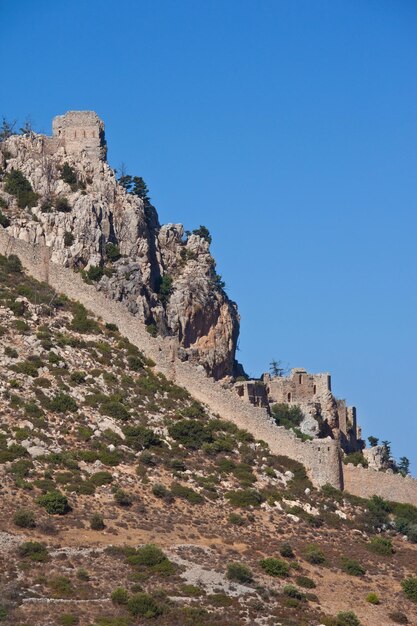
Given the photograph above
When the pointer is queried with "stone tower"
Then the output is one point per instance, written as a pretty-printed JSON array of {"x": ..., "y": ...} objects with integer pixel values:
[{"x": 80, "y": 130}]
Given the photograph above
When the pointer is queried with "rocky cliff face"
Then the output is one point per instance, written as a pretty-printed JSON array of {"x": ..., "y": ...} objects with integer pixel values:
[{"x": 163, "y": 276}]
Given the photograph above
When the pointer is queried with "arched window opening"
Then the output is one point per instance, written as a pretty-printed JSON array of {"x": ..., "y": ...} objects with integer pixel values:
[
  {"x": 289, "y": 397},
  {"x": 314, "y": 389},
  {"x": 300, "y": 379}
]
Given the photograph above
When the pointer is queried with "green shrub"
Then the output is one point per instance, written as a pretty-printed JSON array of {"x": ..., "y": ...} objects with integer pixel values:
[
  {"x": 14, "y": 264},
  {"x": 81, "y": 323},
  {"x": 306, "y": 582},
  {"x": 236, "y": 519},
  {"x": 152, "y": 558},
  {"x": 139, "y": 437},
  {"x": 34, "y": 551},
  {"x": 190, "y": 433},
  {"x": 68, "y": 239},
  {"x": 4, "y": 220},
  {"x": 160, "y": 491},
  {"x": 165, "y": 289},
  {"x": 142, "y": 604},
  {"x": 120, "y": 596},
  {"x": 62, "y": 204},
  {"x": 381, "y": 545},
  {"x": 135, "y": 363},
  {"x": 95, "y": 273},
  {"x": 275, "y": 567},
  {"x": 54, "y": 502},
  {"x": 314, "y": 555},
  {"x": 68, "y": 174},
  {"x": 352, "y": 567},
  {"x": 112, "y": 251},
  {"x": 78, "y": 377},
  {"x": 245, "y": 497},
  {"x": 286, "y": 551},
  {"x": 292, "y": 592},
  {"x": 409, "y": 586},
  {"x": 68, "y": 619},
  {"x": 378, "y": 512},
  {"x": 239, "y": 572},
  {"x": 97, "y": 522},
  {"x": 3, "y": 613},
  {"x": 115, "y": 409},
  {"x": 122, "y": 497},
  {"x": 356, "y": 458},
  {"x": 373, "y": 598},
  {"x": 61, "y": 586},
  {"x": 63, "y": 403},
  {"x": 28, "y": 368},
  {"x": 287, "y": 416},
  {"x": 101, "y": 478},
  {"x": 24, "y": 519},
  {"x": 181, "y": 491},
  {"x": 347, "y": 618},
  {"x": 18, "y": 185},
  {"x": 82, "y": 574}
]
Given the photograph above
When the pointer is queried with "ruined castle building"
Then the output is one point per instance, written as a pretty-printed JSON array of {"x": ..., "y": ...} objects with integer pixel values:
[
  {"x": 323, "y": 413},
  {"x": 80, "y": 130}
]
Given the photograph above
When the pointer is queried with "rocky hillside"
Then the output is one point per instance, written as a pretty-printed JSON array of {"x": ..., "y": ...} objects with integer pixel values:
[
  {"x": 73, "y": 203},
  {"x": 125, "y": 501}
]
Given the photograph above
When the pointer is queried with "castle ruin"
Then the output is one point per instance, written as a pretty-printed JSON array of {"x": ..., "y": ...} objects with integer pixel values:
[
  {"x": 76, "y": 131},
  {"x": 324, "y": 414}
]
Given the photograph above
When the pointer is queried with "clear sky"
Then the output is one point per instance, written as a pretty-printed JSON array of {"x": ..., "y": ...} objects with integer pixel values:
[{"x": 288, "y": 128}]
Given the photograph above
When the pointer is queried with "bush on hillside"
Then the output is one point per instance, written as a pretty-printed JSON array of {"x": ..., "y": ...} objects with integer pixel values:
[
  {"x": 409, "y": 586},
  {"x": 275, "y": 567},
  {"x": 314, "y": 555},
  {"x": 24, "y": 519},
  {"x": 381, "y": 545},
  {"x": 245, "y": 497},
  {"x": 120, "y": 596},
  {"x": 34, "y": 551},
  {"x": 190, "y": 433},
  {"x": 352, "y": 567},
  {"x": 97, "y": 522},
  {"x": 239, "y": 572},
  {"x": 347, "y": 618},
  {"x": 54, "y": 502},
  {"x": 143, "y": 605},
  {"x": 18, "y": 185}
]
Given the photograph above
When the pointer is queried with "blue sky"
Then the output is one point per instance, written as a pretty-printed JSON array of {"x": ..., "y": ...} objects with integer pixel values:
[{"x": 289, "y": 128}]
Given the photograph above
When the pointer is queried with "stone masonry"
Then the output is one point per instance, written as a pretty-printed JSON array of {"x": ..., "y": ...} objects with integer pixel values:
[
  {"x": 323, "y": 413},
  {"x": 80, "y": 130}
]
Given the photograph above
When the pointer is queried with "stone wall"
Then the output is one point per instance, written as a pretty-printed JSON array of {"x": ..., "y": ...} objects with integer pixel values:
[
  {"x": 321, "y": 457},
  {"x": 300, "y": 386},
  {"x": 80, "y": 130},
  {"x": 366, "y": 482}
]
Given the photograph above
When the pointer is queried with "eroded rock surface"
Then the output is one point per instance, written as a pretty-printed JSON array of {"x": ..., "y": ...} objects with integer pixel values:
[{"x": 191, "y": 304}]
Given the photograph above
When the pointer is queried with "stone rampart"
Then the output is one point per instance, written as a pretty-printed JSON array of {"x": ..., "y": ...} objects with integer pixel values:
[
  {"x": 366, "y": 482},
  {"x": 320, "y": 457}
]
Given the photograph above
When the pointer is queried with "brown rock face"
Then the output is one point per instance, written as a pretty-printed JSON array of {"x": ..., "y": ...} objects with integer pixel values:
[{"x": 167, "y": 279}]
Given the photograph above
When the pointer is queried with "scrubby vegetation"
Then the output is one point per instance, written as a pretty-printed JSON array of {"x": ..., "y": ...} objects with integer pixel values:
[{"x": 156, "y": 489}]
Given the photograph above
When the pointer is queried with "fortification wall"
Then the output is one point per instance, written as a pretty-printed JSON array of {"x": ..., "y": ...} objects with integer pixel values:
[
  {"x": 365, "y": 483},
  {"x": 320, "y": 457}
]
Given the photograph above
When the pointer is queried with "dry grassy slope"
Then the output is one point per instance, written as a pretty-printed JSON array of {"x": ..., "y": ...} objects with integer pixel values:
[{"x": 82, "y": 412}]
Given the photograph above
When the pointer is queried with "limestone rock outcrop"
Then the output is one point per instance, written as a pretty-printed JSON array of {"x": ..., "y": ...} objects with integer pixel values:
[{"x": 160, "y": 274}]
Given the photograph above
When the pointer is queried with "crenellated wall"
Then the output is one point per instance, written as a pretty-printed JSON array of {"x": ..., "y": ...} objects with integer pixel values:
[{"x": 320, "y": 457}]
